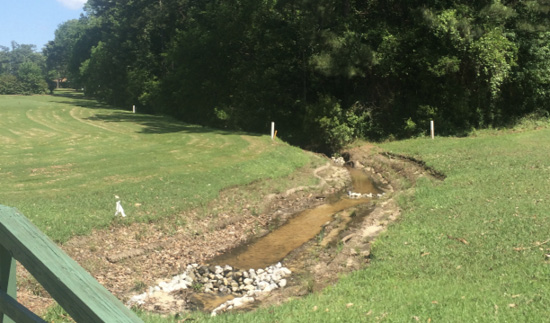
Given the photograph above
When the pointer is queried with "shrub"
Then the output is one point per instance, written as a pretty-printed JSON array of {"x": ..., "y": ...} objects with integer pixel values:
[
  {"x": 336, "y": 126},
  {"x": 9, "y": 84}
]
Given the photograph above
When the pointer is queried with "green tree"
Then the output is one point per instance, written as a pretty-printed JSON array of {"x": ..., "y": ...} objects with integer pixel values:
[
  {"x": 334, "y": 69},
  {"x": 9, "y": 84},
  {"x": 31, "y": 77},
  {"x": 59, "y": 51},
  {"x": 21, "y": 70}
]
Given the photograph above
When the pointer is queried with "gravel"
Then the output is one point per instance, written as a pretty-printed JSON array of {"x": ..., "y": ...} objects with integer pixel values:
[{"x": 243, "y": 284}]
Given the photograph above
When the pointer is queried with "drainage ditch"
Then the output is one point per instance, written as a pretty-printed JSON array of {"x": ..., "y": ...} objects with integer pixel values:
[{"x": 237, "y": 278}]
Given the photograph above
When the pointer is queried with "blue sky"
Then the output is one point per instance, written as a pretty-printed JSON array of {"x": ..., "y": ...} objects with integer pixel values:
[{"x": 35, "y": 21}]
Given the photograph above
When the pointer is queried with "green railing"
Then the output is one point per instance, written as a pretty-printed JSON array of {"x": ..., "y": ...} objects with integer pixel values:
[{"x": 69, "y": 284}]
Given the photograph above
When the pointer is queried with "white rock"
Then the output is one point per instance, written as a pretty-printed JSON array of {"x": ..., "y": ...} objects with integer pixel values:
[
  {"x": 270, "y": 287},
  {"x": 249, "y": 288},
  {"x": 240, "y": 301},
  {"x": 237, "y": 302},
  {"x": 284, "y": 272},
  {"x": 138, "y": 299},
  {"x": 262, "y": 285},
  {"x": 276, "y": 276},
  {"x": 354, "y": 195},
  {"x": 181, "y": 285}
]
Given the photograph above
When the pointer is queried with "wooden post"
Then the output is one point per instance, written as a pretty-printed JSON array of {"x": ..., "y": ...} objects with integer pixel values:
[
  {"x": 69, "y": 284},
  {"x": 272, "y": 130},
  {"x": 134, "y": 108},
  {"x": 432, "y": 128},
  {"x": 7, "y": 280},
  {"x": 15, "y": 312}
]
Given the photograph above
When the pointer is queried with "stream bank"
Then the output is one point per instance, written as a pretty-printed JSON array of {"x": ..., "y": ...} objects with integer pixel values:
[{"x": 122, "y": 258}]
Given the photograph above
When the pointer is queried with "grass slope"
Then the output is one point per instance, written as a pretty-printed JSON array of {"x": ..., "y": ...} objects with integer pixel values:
[
  {"x": 472, "y": 248},
  {"x": 64, "y": 158}
]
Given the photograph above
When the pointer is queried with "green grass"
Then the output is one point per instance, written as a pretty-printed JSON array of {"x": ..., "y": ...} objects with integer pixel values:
[
  {"x": 64, "y": 158},
  {"x": 469, "y": 249}
]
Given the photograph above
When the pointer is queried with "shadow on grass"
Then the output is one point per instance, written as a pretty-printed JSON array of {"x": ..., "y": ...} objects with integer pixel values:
[
  {"x": 152, "y": 124},
  {"x": 69, "y": 93},
  {"x": 78, "y": 99},
  {"x": 157, "y": 124}
]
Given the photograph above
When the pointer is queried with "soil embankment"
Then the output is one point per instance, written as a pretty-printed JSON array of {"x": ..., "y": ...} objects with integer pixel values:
[{"x": 128, "y": 259}]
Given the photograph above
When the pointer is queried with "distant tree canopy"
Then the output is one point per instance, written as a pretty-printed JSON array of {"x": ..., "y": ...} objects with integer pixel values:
[
  {"x": 325, "y": 71},
  {"x": 22, "y": 70}
]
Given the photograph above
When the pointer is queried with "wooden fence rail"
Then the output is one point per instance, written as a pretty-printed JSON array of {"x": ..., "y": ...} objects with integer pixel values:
[{"x": 69, "y": 284}]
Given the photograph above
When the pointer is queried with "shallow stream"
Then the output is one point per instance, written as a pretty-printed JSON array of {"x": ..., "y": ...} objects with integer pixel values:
[
  {"x": 301, "y": 228},
  {"x": 250, "y": 263}
]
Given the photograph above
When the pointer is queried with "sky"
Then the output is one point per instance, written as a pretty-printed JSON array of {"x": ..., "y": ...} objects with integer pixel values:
[{"x": 35, "y": 21}]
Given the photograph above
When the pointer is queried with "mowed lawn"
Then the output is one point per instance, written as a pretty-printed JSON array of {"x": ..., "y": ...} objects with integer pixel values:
[
  {"x": 472, "y": 248},
  {"x": 64, "y": 158}
]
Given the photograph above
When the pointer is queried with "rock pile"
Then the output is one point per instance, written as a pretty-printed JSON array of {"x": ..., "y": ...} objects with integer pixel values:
[
  {"x": 338, "y": 161},
  {"x": 354, "y": 195},
  {"x": 217, "y": 279}
]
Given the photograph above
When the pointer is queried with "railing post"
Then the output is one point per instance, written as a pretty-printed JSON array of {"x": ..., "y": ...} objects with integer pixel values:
[
  {"x": 70, "y": 285},
  {"x": 7, "y": 279}
]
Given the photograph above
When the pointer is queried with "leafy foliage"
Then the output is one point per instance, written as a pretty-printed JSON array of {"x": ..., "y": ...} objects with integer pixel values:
[
  {"x": 241, "y": 64},
  {"x": 22, "y": 70}
]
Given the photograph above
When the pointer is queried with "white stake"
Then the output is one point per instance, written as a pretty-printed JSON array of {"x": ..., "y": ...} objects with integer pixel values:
[
  {"x": 272, "y": 130},
  {"x": 134, "y": 109},
  {"x": 119, "y": 210},
  {"x": 432, "y": 128}
]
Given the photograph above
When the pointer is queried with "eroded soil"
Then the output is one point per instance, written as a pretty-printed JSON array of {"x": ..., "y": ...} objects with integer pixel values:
[{"x": 126, "y": 259}]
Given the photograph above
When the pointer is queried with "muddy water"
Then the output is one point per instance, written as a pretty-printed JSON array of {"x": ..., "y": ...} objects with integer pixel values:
[
  {"x": 273, "y": 247},
  {"x": 361, "y": 182}
]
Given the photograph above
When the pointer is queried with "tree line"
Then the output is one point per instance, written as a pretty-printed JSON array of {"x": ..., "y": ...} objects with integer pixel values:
[
  {"x": 326, "y": 71},
  {"x": 22, "y": 70}
]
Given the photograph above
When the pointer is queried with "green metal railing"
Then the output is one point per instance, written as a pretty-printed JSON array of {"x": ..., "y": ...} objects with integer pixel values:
[{"x": 69, "y": 284}]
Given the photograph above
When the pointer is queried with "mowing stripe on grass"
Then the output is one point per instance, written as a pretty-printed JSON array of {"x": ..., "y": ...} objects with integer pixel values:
[{"x": 65, "y": 158}]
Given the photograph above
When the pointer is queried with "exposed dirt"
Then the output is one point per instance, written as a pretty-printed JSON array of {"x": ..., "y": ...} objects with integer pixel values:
[{"x": 126, "y": 259}]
